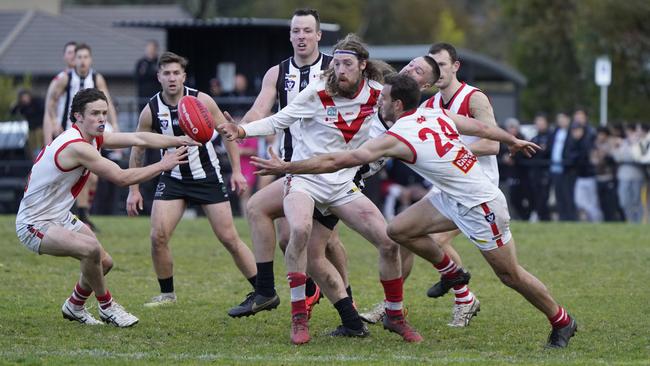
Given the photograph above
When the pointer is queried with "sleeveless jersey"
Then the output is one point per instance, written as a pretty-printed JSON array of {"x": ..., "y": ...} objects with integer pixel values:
[
  {"x": 75, "y": 84},
  {"x": 203, "y": 161},
  {"x": 328, "y": 124},
  {"x": 442, "y": 158},
  {"x": 459, "y": 104},
  {"x": 292, "y": 80},
  {"x": 51, "y": 190}
]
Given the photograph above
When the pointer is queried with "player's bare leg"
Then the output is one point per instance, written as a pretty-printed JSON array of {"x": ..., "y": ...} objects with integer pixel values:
[
  {"x": 220, "y": 218},
  {"x": 263, "y": 207},
  {"x": 365, "y": 218},
  {"x": 503, "y": 261},
  {"x": 58, "y": 241},
  {"x": 165, "y": 215},
  {"x": 298, "y": 209}
]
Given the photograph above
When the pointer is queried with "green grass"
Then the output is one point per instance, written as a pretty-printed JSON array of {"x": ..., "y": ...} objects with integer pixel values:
[{"x": 599, "y": 272}]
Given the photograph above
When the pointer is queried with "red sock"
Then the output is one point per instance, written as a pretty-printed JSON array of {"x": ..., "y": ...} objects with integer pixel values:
[
  {"x": 79, "y": 296},
  {"x": 561, "y": 319},
  {"x": 297, "y": 282},
  {"x": 105, "y": 301},
  {"x": 462, "y": 294},
  {"x": 394, "y": 292},
  {"x": 447, "y": 267}
]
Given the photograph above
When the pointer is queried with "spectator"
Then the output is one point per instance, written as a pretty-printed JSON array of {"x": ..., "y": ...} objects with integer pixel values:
[
  {"x": 215, "y": 88},
  {"x": 146, "y": 70},
  {"x": 540, "y": 177},
  {"x": 239, "y": 107},
  {"x": 630, "y": 175},
  {"x": 516, "y": 174},
  {"x": 585, "y": 191},
  {"x": 562, "y": 177},
  {"x": 31, "y": 109},
  {"x": 601, "y": 157},
  {"x": 580, "y": 118}
]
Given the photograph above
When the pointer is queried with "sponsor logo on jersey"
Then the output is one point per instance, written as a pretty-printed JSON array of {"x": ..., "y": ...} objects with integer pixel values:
[
  {"x": 289, "y": 85},
  {"x": 465, "y": 160},
  {"x": 303, "y": 84}
]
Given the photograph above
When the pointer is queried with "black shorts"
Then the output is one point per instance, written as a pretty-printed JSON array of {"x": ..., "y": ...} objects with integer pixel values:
[
  {"x": 328, "y": 221},
  {"x": 201, "y": 191}
]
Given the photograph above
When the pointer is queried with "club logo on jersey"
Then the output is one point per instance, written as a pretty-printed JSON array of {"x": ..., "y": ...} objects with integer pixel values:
[
  {"x": 331, "y": 111},
  {"x": 289, "y": 84},
  {"x": 490, "y": 218},
  {"x": 303, "y": 84},
  {"x": 175, "y": 122},
  {"x": 465, "y": 160}
]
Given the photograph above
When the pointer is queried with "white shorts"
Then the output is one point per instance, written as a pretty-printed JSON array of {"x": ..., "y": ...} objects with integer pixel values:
[
  {"x": 487, "y": 225},
  {"x": 324, "y": 195},
  {"x": 31, "y": 235}
]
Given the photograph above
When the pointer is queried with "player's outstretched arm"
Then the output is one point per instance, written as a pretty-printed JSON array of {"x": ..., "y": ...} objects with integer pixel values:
[
  {"x": 146, "y": 140},
  {"x": 474, "y": 127},
  {"x": 237, "y": 180},
  {"x": 86, "y": 155},
  {"x": 368, "y": 152}
]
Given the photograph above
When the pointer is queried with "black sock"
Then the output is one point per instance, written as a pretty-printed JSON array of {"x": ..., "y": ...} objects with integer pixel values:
[
  {"x": 349, "y": 291},
  {"x": 265, "y": 284},
  {"x": 82, "y": 213},
  {"x": 310, "y": 287},
  {"x": 347, "y": 312},
  {"x": 252, "y": 281},
  {"x": 166, "y": 284}
]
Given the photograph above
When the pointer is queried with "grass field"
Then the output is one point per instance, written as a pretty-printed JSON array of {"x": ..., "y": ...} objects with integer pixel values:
[{"x": 599, "y": 272}]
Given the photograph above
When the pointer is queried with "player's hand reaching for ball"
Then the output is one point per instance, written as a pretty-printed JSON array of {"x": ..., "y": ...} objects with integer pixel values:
[
  {"x": 526, "y": 147},
  {"x": 272, "y": 166},
  {"x": 230, "y": 130},
  {"x": 171, "y": 159},
  {"x": 186, "y": 141}
]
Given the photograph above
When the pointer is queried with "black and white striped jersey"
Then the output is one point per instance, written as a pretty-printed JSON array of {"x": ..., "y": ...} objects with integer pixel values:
[
  {"x": 75, "y": 84},
  {"x": 203, "y": 161},
  {"x": 292, "y": 80}
]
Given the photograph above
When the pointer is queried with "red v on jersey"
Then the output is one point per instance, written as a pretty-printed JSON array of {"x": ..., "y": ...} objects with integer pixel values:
[{"x": 365, "y": 110}]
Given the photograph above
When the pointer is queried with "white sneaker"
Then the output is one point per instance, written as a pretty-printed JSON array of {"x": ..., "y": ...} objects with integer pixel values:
[
  {"x": 463, "y": 313},
  {"x": 376, "y": 314},
  {"x": 82, "y": 316},
  {"x": 117, "y": 316},
  {"x": 162, "y": 299}
]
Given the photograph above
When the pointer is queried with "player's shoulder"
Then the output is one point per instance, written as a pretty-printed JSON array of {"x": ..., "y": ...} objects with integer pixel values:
[{"x": 374, "y": 84}]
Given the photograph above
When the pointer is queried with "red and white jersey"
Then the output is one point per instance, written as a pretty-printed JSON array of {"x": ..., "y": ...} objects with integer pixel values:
[
  {"x": 442, "y": 158},
  {"x": 329, "y": 124},
  {"x": 459, "y": 104},
  {"x": 51, "y": 190}
]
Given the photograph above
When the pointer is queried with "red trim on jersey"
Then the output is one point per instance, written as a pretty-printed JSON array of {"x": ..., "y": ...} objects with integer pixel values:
[
  {"x": 493, "y": 225},
  {"x": 77, "y": 187},
  {"x": 444, "y": 111},
  {"x": 56, "y": 155},
  {"x": 429, "y": 102},
  {"x": 462, "y": 85},
  {"x": 407, "y": 113},
  {"x": 405, "y": 141},
  {"x": 365, "y": 110},
  {"x": 326, "y": 99},
  {"x": 464, "y": 107},
  {"x": 361, "y": 84}
]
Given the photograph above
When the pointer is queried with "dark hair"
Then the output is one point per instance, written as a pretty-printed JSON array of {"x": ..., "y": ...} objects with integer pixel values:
[
  {"x": 437, "y": 47},
  {"x": 83, "y": 46},
  {"x": 404, "y": 88},
  {"x": 434, "y": 67},
  {"x": 68, "y": 44},
  {"x": 170, "y": 58},
  {"x": 82, "y": 98},
  {"x": 308, "y": 11}
]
